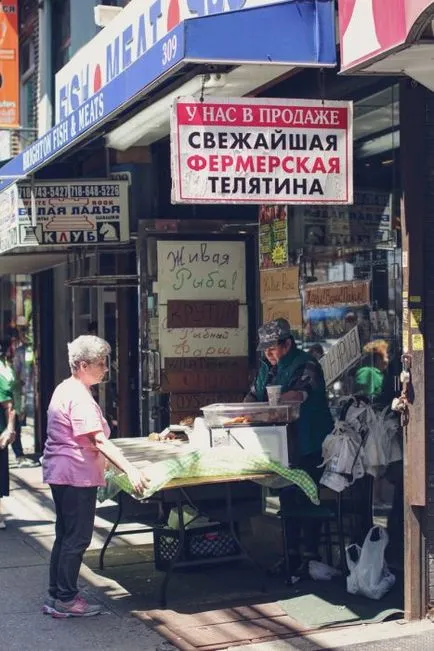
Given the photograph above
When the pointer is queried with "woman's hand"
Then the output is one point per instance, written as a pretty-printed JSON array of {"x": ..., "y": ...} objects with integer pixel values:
[
  {"x": 138, "y": 479},
  {"x": 6, "y": 439}
]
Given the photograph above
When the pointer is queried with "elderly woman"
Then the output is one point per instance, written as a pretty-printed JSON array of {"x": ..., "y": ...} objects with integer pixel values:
[
  {"x": 7, "y": 427},
  {"x": 73, "y": 465}
]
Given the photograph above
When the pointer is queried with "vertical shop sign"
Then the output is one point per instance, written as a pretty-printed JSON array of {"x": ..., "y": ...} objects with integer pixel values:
[
  {"x": 261, "y": 151},
  {"x": 8, "y": 216},
  {"x": 273, "y": 236},
  {"x": 9, "y": 69}
]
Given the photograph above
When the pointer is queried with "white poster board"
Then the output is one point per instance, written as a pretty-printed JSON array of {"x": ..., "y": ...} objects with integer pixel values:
[
  {"x": 203, "y": 342},
  {"x": 200, "y": 270},
  {"x": 262, "y": 150},
  {"x": 341, "y": 356}
]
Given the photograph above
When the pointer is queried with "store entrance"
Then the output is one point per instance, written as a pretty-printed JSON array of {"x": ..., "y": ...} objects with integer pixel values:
[{"x": 194, "y": 333}]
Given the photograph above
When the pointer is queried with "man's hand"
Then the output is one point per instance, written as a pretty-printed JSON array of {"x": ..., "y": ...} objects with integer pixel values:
[
  {"x": 138, "y": 479},
  {"x": 292, "y": 396}
]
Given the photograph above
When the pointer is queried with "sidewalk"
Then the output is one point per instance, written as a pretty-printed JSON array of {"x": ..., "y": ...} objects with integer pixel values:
[{"x": 24, "y": 554}]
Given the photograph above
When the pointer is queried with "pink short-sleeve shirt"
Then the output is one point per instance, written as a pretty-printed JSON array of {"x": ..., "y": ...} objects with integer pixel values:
[{"x": 69, "y": 456}]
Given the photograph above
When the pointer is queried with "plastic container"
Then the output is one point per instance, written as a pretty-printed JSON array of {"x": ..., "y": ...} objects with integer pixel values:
[
  {"x": 273, "y": 392},
  {"x": 250, "y": 413}
]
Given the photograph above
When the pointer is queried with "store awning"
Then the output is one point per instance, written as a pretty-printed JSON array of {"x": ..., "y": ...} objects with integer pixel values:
[
  {"x": 29, "y": 263},
  {"x": 296, "y": 33},
  {"x": 387, "y": 37}
]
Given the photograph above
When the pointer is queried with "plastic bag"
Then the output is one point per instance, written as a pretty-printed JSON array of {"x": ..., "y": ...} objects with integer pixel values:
[
  {"x": 321, "y": 571},
  {"x": 369, "y": 574},
  {"x": 342, "y": 461}
]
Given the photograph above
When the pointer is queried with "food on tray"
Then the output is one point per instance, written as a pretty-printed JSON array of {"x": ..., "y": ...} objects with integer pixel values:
[{"x": 238, "y": 420}]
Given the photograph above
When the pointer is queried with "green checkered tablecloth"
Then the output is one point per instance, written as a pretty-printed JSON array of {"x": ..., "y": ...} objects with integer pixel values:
[{"x": 217, "y": 462}]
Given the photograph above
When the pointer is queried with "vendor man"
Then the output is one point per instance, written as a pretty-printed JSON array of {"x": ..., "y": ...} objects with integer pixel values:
[{"x": 302, "y": 379}]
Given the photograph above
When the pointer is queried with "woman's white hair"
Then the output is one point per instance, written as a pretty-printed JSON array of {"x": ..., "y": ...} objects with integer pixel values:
[{"x": 87, "y": 348}]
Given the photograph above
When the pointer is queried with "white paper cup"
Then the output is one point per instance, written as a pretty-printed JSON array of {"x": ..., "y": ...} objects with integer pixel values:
[{"x": 273, "y": 392}]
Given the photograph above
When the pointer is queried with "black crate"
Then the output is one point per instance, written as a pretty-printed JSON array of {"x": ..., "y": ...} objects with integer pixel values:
[{"x": 201, "y": 543}]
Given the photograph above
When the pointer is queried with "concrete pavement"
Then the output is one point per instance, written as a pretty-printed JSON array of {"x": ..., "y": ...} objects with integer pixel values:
[{"x": 24, "y": 554}]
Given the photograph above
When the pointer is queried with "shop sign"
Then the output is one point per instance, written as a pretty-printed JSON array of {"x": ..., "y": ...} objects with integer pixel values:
[
  {"x": 126, "y": 39},
  {"x": 243, "y": 150},
  {"x": 273, "y": 236},
  {"x": 201, "y": 270},
  {"x": 349, "y": 294},
  {"x": 291, "y": 310},
  {"x": 279, "y": 284},
  {"x": 9, "y": 68},
  {"x": 203, "y": 342},
  {"x": 370, "y": 28},
  {"x": 367, "y": 223},
  {"x": 202, "y": 314},
  {"x": 68, "y": 213},
  {"x": 340, "y": 357},
  {"x": 8, "y": 225},
  {"x": 147, "y": 42}
]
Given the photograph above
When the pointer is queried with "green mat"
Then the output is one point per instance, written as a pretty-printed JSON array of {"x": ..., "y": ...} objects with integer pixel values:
[{"x": 318, "y": 604}]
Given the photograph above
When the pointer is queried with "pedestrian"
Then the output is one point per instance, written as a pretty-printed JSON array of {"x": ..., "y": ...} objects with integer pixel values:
[
  {"x": 7, "y": 431},
  {"x": 13, "y": 370},
  {"x": 73, "y": 465}
]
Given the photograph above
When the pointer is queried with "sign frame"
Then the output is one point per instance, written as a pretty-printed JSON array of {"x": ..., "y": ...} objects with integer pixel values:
[{"x": 262, "y": 151}]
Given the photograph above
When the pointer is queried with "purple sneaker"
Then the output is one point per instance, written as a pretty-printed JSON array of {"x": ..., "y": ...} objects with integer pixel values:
[
  {"x": 48, "y": 607},
  {"x": 78, "y": 607}
]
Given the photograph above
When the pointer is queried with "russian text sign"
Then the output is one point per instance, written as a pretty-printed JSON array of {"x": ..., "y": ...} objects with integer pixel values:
[
  {"x": 341, "y": 356},
  {"x": 245, "y": 150},
  {"x": 67, "y": 213}
]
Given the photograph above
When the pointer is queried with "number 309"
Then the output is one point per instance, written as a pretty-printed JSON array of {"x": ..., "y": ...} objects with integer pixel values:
[{"x": 169, "y": 49}]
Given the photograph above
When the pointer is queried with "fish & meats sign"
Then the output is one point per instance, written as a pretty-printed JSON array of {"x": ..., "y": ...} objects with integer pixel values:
[{"x": 244, "y": 150}]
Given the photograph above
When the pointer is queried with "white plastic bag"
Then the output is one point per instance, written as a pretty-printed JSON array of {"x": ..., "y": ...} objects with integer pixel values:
[
  {"x": 369, "y": 575},
  {"x": 321, "y": 571},
  {"x": 342, "y": 460}
]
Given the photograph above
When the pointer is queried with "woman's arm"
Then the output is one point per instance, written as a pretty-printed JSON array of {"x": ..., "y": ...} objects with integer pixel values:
[
  {"x": 137, "y": 477},
  {"x": 8, "y": 436}
]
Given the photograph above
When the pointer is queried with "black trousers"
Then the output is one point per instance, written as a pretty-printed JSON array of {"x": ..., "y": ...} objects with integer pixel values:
[
  {"x": 292, "y": 498},
  {"x": 17, "y": 446},
  {"x": 75, "y": 516}
]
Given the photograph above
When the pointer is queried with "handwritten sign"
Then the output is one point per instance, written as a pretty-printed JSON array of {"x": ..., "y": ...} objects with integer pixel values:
[
  {"x": 202, "y": 314},
  {"x": 290, "y": 310},
  {"x": 206, "y": 363},
  {"x": 195, "y": 270},
  {"x": 341, "y": 356},
  {"x": 203, "y": 381},
  {"x": 279, "y": 284},
  {"x": 203, "y": 342},
  {"x": 334, "y": 294}
]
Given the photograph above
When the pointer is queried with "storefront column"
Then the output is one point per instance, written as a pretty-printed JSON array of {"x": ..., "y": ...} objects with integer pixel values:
[
  {"x": 415, "y": 263},
  {"x": 428, "y": 236}
]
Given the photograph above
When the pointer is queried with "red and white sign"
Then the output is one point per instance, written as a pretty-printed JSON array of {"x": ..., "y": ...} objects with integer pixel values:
[
  {"x": 245, "y": 150},
  {"x": 370, "y": 28}
]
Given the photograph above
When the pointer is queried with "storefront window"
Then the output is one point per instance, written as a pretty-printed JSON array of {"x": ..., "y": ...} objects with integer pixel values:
[
  {"x": 61, "y": 33},
  {"x": 350, "y": 258}
]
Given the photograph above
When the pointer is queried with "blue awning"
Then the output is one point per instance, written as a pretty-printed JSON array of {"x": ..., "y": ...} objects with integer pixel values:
[{"x": 293, "y": 33}]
